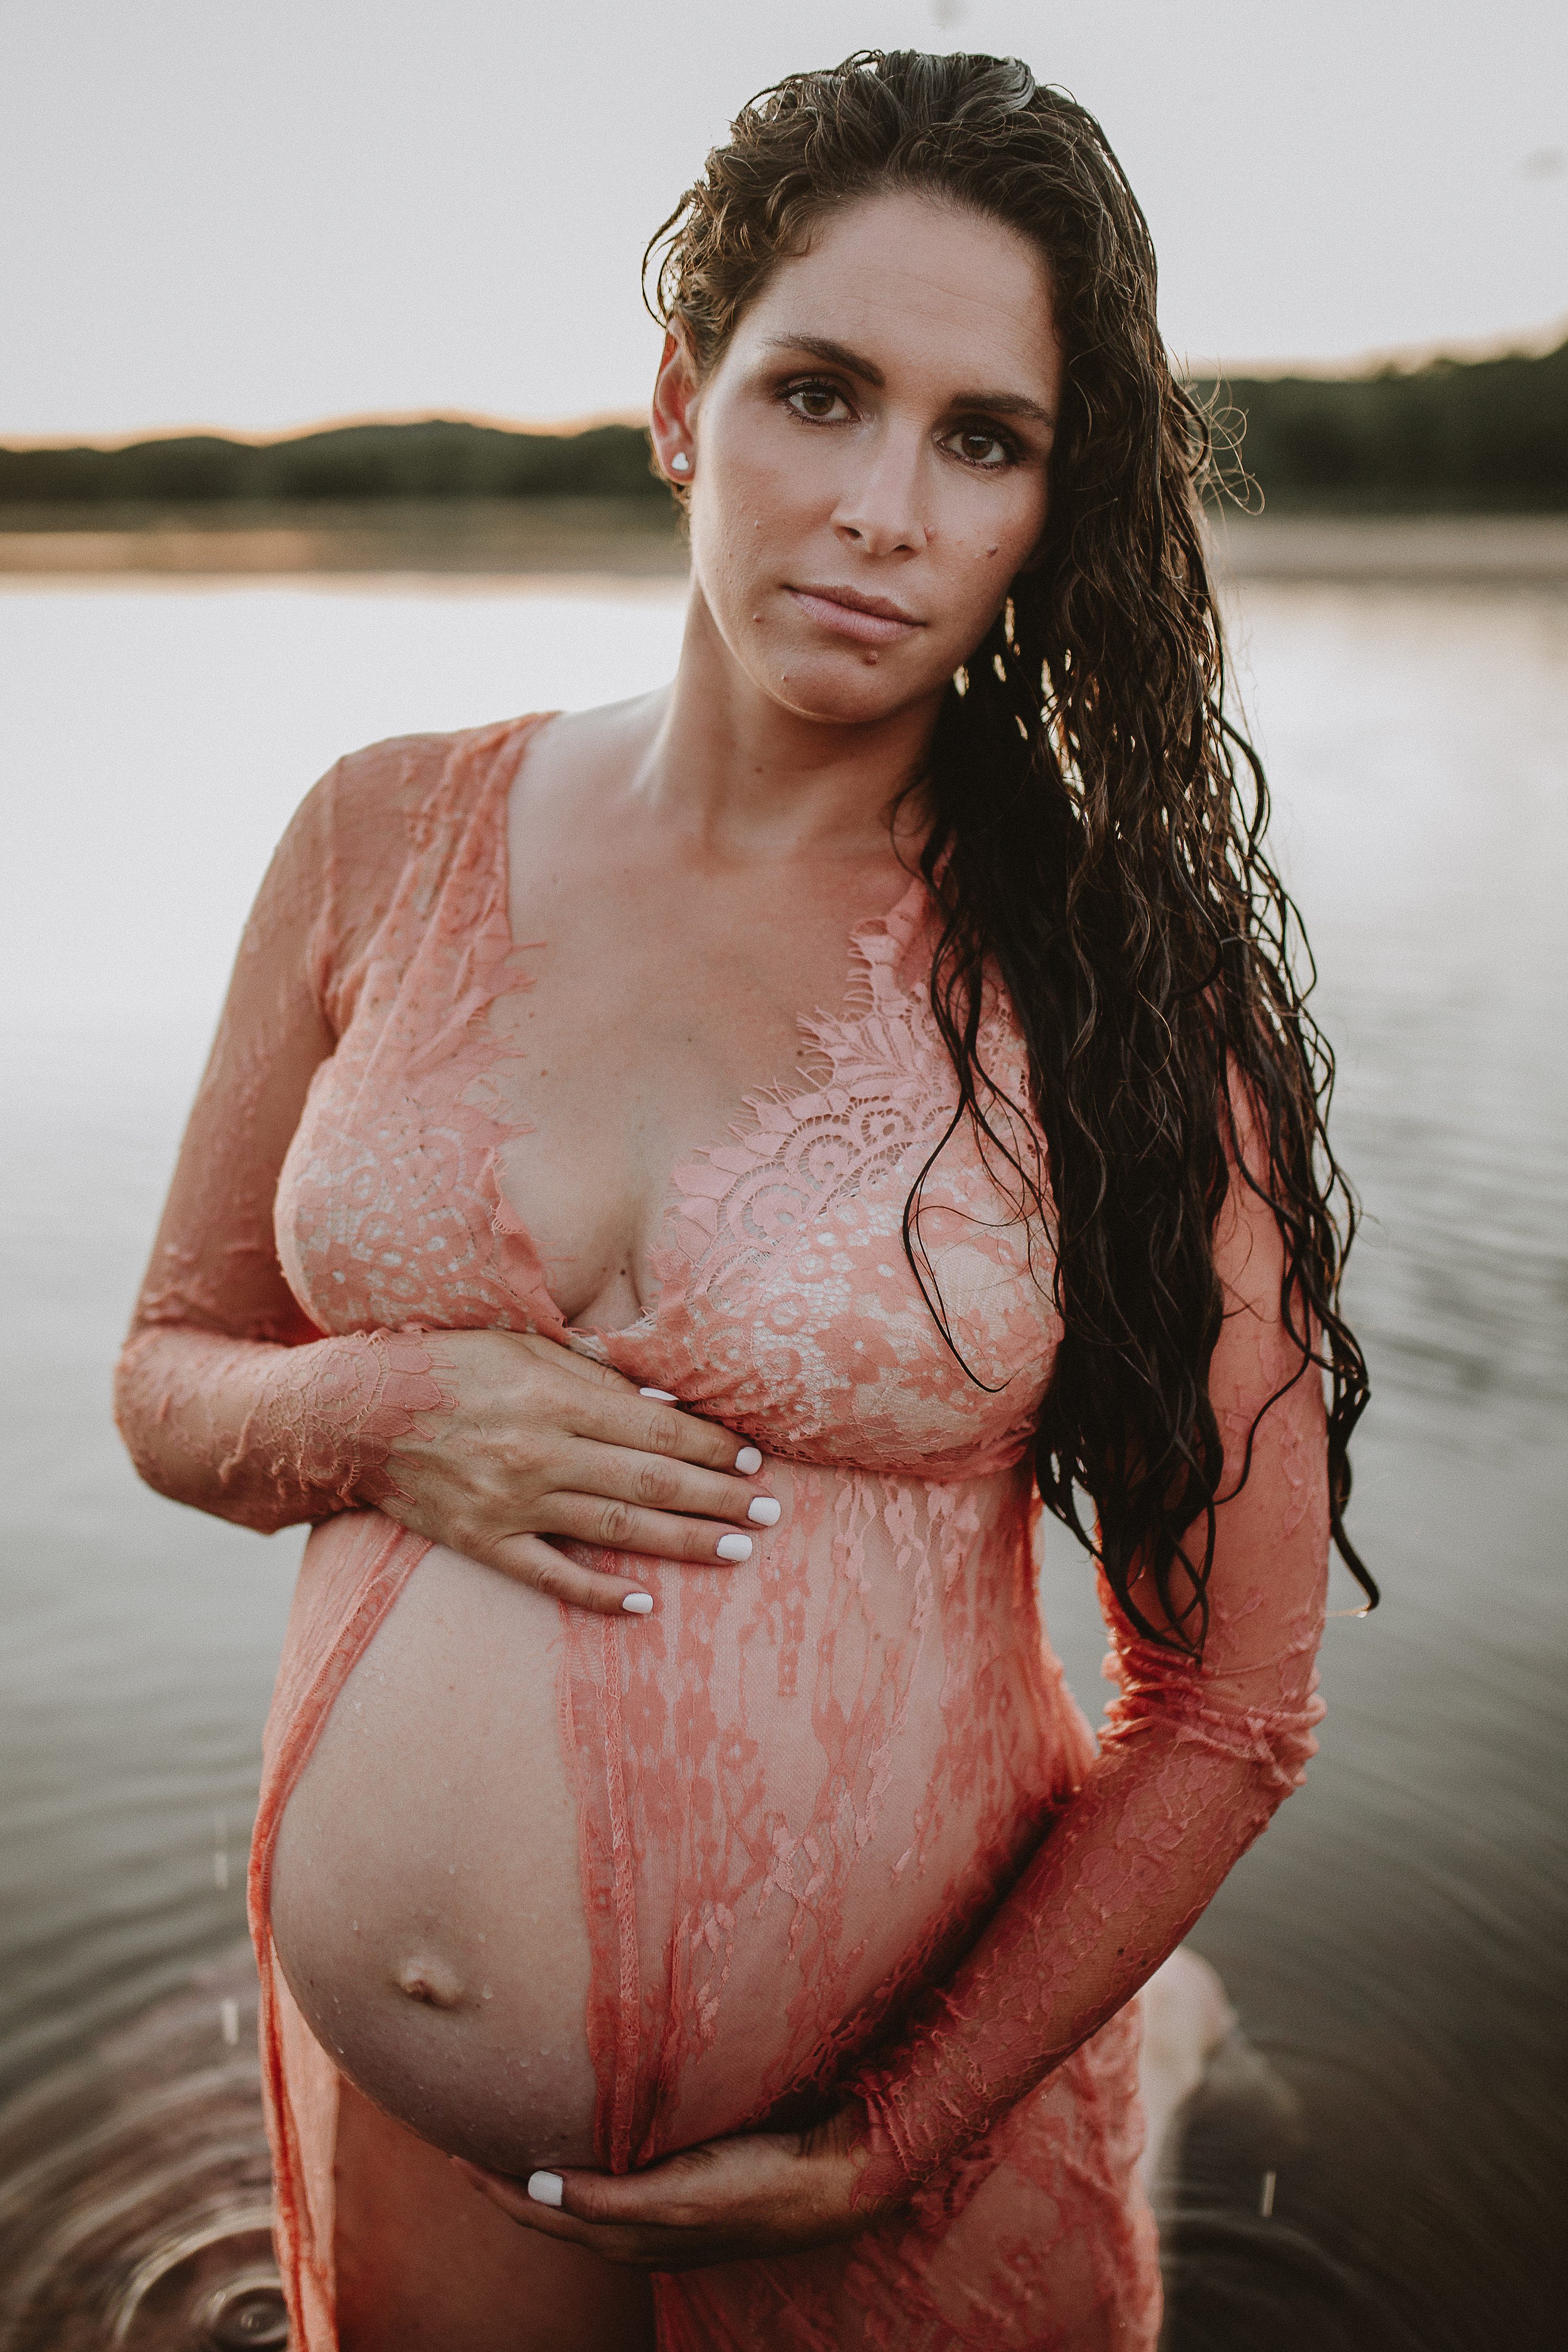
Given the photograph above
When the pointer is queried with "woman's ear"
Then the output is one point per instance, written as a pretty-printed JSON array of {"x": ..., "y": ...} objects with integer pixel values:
[{"x": 673, "y": 418}]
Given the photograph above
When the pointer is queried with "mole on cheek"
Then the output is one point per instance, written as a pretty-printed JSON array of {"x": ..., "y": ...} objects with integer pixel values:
[{"x": 431, "y": 1981}]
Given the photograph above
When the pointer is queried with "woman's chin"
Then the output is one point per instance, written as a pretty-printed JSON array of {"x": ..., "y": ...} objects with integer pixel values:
[{"x": 845, "y": 690}]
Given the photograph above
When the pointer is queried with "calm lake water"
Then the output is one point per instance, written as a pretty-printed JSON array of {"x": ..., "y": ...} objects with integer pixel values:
[{"x": 1395, "y": 1946}]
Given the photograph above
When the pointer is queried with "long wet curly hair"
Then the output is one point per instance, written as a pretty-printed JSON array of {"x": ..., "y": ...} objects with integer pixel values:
[{"x": 1099, "y": 818}]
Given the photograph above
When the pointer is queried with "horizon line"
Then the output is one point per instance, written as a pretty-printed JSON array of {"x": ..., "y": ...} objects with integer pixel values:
[
  {"x": 1406, "y": 359},
  {"x": 559, "y": 429},
  {"x": 1536, "y": 342}
]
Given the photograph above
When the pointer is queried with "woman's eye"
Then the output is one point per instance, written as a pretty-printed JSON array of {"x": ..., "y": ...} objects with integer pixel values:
[
  {"x": 820, "y": 403},
  {"x": 978, "y": 447}
]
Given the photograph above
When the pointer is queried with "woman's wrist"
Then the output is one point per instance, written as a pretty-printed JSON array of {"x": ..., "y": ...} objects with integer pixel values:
[
  {"x": 340, "y": 1405},
  {"x": 312, "y": 1427},
  {"x": 877, "y": 2178}
]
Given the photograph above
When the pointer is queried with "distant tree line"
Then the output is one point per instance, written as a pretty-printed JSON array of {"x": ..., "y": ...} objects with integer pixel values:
[
  {"x": 438, "y": 458},
  {"x": 1482, "y": 434},
  {"x": 1485, "y": 434}
]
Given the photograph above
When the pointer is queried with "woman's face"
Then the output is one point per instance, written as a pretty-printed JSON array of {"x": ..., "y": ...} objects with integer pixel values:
[{"x": 868, "y": 458}]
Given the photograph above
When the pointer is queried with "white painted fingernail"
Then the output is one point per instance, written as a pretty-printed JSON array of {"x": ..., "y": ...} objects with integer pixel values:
[
  {"x": 636, "y": 1604},
  {"x": 748, "y": 1461},
  {"x": 734, "y": 1547},
  {"x": 765, "y": 1511},
  {"x": 546, "y": 2188},
  {"x": 660, "y": 1396}
]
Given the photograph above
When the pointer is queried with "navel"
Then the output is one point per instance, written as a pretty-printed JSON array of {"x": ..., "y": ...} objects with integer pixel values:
[{"x": 431, "y": 1981}]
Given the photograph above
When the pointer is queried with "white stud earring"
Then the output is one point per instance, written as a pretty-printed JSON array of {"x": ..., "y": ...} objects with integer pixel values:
[{"x": 681, "y": 463}]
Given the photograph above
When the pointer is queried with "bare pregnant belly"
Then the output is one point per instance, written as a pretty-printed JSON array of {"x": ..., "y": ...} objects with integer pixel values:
[
  {"x": 855, "y": 1772},
  {"x": 427, "y": 1892}
]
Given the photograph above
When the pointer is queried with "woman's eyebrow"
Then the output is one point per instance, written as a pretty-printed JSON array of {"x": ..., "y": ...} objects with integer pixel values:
[
  {"x": 840, "y": 356},
  {"x": 1007, "y": 404}
]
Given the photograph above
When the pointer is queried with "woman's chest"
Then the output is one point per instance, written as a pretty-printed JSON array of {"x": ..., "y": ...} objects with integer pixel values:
[
  {"x": 639, "y": 1028},
  {"x": 715, "y": 1194}
]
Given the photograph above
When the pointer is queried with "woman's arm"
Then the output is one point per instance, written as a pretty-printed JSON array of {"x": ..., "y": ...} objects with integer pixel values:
[
  {"x": 1193, "y": 1763},
  {"x": 229, "y": 1399}
]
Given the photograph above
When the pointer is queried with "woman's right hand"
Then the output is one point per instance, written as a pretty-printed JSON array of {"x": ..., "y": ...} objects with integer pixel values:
[{"x": 536, "y": 1442}]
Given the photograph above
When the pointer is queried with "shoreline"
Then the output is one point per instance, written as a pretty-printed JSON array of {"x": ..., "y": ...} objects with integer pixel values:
[{"x": 524, "y": 542}]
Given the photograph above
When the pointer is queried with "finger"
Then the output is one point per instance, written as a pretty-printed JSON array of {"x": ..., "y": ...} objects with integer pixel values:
[
  {"x": 656, "y": 1483},
  {"x": 641, "y": 2248},
  {"x": 555, "y": 1356},
  {"x": 532, "y": 1560},
  {"x": 560, "y": 1352},
  {"x": 512, "y": 2199},
  {"x": 511, "y": 2196},
  {"x": 637, "y": 2249},
  {"x": 646, "y": 1426},
  {"x": 588, "y": 1376},
  {"x": 655, "y": 1535},
  {"x": 588, "y": 2206},
  {"x": 663, "y": 2201},
  {"x": 722, "y": 2202}
]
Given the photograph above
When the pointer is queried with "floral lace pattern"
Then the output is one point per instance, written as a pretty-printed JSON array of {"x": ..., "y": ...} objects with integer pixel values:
[
  {"x": 316, "y": 1427},
  {"x": 807, "y": 1797}
]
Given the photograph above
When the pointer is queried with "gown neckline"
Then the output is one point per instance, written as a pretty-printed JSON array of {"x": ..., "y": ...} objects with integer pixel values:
[{"x": 895, "y": 925}]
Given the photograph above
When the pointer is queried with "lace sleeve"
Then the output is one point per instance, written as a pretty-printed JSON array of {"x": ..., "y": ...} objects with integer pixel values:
[
  {"x": 1193, "y": 1761},
  {"x": 226, "y": 1397}
]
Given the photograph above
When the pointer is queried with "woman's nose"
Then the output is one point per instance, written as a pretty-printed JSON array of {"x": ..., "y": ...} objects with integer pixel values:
[{"x": 881, "y": 511}]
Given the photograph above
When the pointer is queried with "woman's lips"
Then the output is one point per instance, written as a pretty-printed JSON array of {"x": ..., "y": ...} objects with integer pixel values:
[{"x": 869, "y": 620}]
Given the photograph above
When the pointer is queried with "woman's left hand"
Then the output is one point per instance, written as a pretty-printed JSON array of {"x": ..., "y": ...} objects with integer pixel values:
[{"x": 730, "y": 2200}]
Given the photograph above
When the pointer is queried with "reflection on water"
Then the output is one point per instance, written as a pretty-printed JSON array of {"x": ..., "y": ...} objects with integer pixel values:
[
  {"x": 135, "y": 2209},
  {"x": 1375, "y": 2164}
]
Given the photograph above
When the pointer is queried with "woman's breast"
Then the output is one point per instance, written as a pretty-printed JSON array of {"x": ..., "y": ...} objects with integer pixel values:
[{"x": 543, "y": 1866}]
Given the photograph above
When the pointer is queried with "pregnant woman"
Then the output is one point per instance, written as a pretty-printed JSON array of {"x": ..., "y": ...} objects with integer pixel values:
[{"x": 679, "y": 1189}]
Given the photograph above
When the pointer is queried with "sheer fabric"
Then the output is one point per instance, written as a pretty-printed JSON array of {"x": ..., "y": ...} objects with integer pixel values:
[{"x": 856, "y": 1750}]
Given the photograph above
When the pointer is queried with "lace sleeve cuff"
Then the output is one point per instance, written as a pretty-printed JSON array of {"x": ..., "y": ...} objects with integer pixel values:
[{"x": 267, "y": 1434}]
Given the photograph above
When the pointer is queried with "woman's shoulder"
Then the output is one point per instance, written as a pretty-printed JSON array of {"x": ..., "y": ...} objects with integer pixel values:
[
  {"x": 380, "y": 802},
  {"x": 379, "y": 811}
]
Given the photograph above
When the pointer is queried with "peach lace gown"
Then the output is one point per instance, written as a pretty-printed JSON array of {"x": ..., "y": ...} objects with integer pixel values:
[{"x": 804, "y": 1785}]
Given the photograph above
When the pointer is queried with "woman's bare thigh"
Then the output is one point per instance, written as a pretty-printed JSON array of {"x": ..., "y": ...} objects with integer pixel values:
[{"x": 425, "y": 2263}]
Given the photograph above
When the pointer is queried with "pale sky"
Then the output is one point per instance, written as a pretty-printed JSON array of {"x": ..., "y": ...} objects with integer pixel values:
[{"x": 219, "y": 213}]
